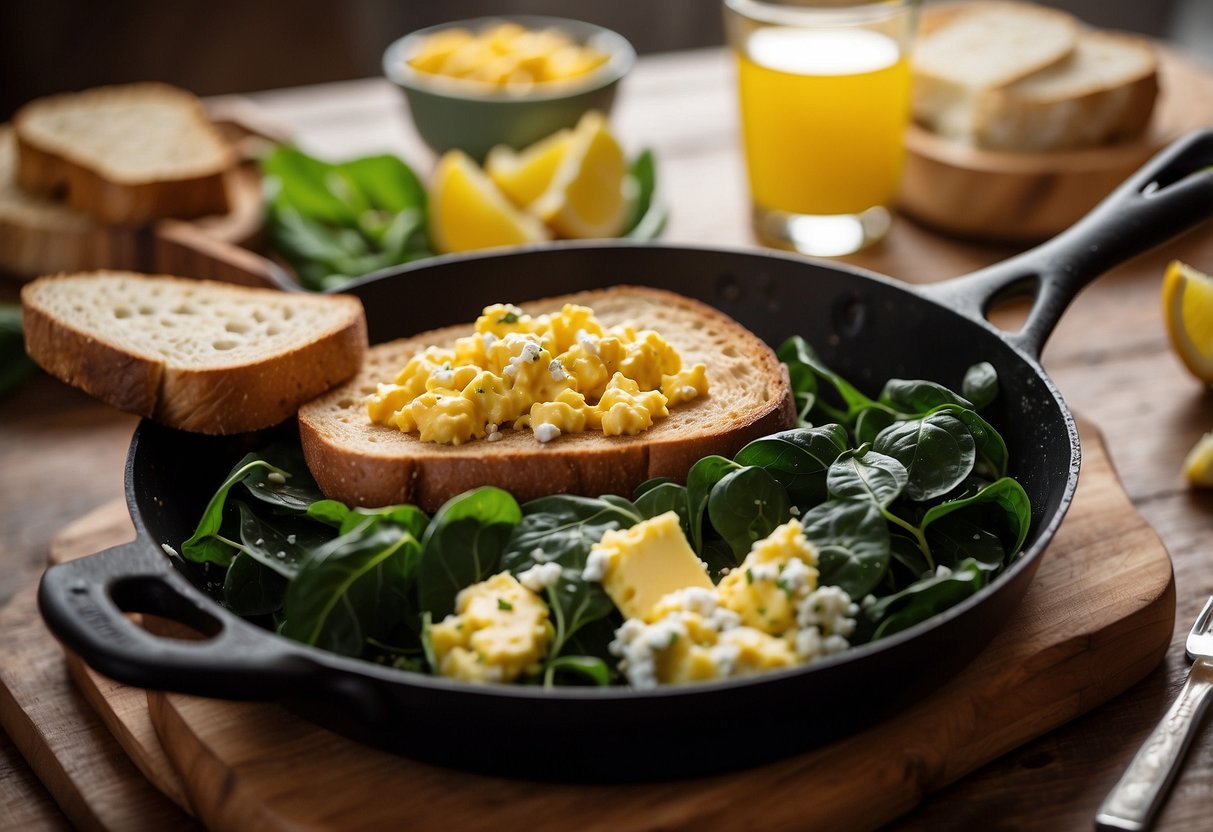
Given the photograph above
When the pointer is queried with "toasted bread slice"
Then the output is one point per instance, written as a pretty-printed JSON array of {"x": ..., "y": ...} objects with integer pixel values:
[
  {"x": 125, "y": 155},
  {"x": 196, "y": 355},
  {"x": 365, "y": 464},
  {"x": 983, "y": 46},
  {"x": 40, "y": 235},
  {"x": 1104, "y": 92}
]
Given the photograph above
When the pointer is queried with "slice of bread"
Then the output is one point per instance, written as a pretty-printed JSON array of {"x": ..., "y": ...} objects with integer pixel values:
[
  {"x": 978, "y": 47},
  {"x": 125, "y": 155},
  {"x": 365, "y": 464},
  {"x": 196, "y": 355},
  {"x": 1103, "y": 93},
  {"x": 44, "y": 236}
]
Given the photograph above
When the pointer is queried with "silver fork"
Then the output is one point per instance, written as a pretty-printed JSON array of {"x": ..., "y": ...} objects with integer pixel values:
[{"x": 1136, "y": 799}]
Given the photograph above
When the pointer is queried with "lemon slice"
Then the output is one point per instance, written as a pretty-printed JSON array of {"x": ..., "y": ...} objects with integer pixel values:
[
  {"x": 468, "y": 212},
  {"x": 1187, "y": 301},
  {"x": 525, "y": 175},
  {"x": 1198, "y": 467},
  {"x": 591, "y": 194}
]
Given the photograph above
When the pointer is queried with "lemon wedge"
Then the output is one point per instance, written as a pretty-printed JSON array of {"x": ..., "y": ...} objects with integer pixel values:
[
  {"x": 1187, "y": 302},
  {"x": 468, "y": 212},
  {"x": 590, "y": 194},
  {"x": 1198, "y": 467},
  {"x": 524, "y": 176}
]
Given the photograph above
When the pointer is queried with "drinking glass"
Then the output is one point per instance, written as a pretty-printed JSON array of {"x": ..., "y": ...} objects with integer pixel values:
[{"x": 824, "y": 91}]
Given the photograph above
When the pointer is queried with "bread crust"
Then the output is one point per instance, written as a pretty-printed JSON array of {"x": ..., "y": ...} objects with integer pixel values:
[
  {"x": 1008, "y": 119},
  {"x": 212, "y": 400},
  {"x": 43, "y": 170},
  {"x": 399, "y": 468}
]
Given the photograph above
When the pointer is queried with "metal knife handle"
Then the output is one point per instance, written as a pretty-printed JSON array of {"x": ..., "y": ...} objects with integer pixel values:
[{"x": 1136, "y": 799}]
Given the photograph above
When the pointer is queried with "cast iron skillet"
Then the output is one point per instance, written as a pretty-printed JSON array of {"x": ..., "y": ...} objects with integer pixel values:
[{"x": 868, "y": 327}]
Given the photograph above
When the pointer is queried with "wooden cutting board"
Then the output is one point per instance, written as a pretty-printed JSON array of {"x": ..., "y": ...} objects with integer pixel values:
[{"x": 1097, "y": 618}]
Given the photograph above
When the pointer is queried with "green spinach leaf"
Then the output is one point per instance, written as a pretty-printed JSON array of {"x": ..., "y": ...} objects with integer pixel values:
[
  {"x": 745, "y": 506},
  {"x": 980, "y": 385},
  {"x": 463, "y": 545},
  {"x": 250, "y": 588},
  {"x": 351, "y": 589},
  {"x": 925, "y": 598},
  {"x": 852, "y": 541},
  {"x": 917, "y": 397},
  {"x": 937, "y": 451},
  {"x": 206, "y": 545},
  {"x": 798, "y": 459},
  {"x": 866, "y": 475},
  {"x": 701, "y": 479}
]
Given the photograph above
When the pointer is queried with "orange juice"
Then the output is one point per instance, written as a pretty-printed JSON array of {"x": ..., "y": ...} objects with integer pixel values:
[{"x": 823, "y": 116}]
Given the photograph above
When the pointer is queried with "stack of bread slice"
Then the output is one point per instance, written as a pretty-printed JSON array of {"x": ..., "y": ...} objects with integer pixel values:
[
  {"x": 76, "y": 167},
  {"x": 1018, "y": 77}
]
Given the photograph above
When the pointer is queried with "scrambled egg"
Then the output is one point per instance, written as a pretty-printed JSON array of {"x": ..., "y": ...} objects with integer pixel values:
[
  {"x": 500, "y": 630},
  {"x": 778, "y": 572},
  {"x": 766, "y": 614},
  {"x": 558, "y": 373},
  {"x": 505, "y": 55}
]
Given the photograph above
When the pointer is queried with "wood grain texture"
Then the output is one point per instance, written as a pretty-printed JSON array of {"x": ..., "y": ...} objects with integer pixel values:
[
  {"x": 95, "y": 785},
  {"x": 1082, "y": 635},
  {"x": 122, "y": 709}
]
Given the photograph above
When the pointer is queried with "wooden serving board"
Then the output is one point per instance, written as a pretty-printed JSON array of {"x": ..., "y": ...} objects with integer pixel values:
[{"x": 1097, "y": 618}]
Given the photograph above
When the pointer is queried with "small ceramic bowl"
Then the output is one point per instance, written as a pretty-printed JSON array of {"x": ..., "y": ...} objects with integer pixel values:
[{"x": 455, "y": 113}]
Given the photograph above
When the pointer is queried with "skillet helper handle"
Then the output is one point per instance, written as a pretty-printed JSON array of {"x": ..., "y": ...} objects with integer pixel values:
[
  {"x": 84, "y": 603},
  {"x": 1136, "y": 799},
  {"x": 1169, "y": 194}
]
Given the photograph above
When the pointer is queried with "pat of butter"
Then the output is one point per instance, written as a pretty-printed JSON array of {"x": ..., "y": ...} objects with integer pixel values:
[{"x": 640, "y": 565}]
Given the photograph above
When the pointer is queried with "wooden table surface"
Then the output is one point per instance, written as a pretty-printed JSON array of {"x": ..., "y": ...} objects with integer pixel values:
[{"x": 62, "y": 454}]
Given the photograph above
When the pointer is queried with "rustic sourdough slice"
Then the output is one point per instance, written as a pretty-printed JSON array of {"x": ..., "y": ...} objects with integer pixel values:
[
  {"x": 197, "y": 355},
  {"x": 125, "y": 155},
  {"x": 44, "y": 236},
  {"x": 365, "y": 464},
  {"x": 979, "y": 47},
  {"x": 1104, "y": 92}
]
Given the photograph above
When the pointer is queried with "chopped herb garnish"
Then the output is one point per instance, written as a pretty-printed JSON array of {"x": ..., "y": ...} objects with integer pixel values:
[
  {"x": 749, "y": 576},
  {"x": 503, "y": 604},
  {"x": 479, "y": 389},
  {"x": 508, "y": 318}
]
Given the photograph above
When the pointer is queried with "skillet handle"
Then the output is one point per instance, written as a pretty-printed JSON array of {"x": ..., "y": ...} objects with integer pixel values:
[
  {"x": 83, "y": 603},
  {"x": 1171, "y": 193}
]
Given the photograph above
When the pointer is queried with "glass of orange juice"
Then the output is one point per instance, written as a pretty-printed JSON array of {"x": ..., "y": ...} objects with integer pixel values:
[{"x": 824, "y": 89}]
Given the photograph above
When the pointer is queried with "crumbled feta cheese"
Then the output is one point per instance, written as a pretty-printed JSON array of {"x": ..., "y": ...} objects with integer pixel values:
[
  {"x": 491, "y": 427},
  {"x": 290, "y": 538},
  {"x": 168, "y": 550},
  {"x": 637, "y": 645},
  {"x": 795, "y": 512},
  {"x": 596, "y": 565},
  {"x": 797, "y": 576},
  {"x": 557, "y": 371},
  {"x": 587, "y": 342},
  {"x": 827, "y": 619},
  {"x": 276, "y": 478},
  {"x": 688, "y": 392},
  {"x": 494, "y": 436},
  {"x": 942, "y": 571},
  {"x": 546, "y": 432},
  {"x": 540, "y": 576},
  {"x": 539, "y": 556}
]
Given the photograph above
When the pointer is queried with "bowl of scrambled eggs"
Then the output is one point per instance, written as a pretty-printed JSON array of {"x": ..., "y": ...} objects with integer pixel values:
[{"x": 508, "y": 80}]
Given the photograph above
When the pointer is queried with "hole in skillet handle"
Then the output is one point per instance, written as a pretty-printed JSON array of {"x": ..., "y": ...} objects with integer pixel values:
[
  {"x": 1170, "y": 194},
  {"x": 85, "y": 605}
]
